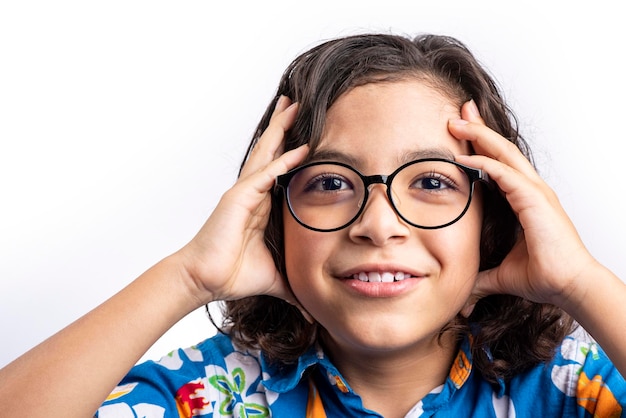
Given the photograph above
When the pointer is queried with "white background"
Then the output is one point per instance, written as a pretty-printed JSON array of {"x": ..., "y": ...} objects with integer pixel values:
[{"x": 122, "y": 122}]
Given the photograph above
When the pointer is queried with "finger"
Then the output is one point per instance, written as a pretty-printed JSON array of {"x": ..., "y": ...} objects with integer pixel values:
[
  {"x": 534, "y": 203},
  {"x": 491, "y": 144},
  {"x": 470, "y": 113},
  {"x": 282, "y": 104},
  {"x": 522, "y": 190},
  {"x": 282, "y": 291},
  {"x": 486, "y": 284},
  {"x": 270, "y": 144},
  {"x": 291, "y": 299},
  {"x": 263, "y": 180}
]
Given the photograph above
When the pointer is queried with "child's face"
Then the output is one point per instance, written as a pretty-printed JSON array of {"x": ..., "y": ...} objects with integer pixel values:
[{"x": 375, "y": 128}]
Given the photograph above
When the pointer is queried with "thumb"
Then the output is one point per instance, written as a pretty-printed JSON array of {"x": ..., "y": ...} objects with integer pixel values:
[
  {"x": 303, "y": 311},
  {"x": 486, "y": 284},
  {"x": 285, "y": 293}
]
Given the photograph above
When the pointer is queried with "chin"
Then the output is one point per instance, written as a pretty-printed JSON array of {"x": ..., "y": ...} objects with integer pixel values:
[{"x": 379, "y": 337}]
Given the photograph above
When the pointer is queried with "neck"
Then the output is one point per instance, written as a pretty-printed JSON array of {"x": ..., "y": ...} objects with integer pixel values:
[{"x": 392, "y": 382}]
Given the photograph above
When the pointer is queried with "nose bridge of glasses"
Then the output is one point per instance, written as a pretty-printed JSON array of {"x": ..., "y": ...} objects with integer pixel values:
[
  {"x": 375, "y": 179},
  {"x": 370, "y": 181}
]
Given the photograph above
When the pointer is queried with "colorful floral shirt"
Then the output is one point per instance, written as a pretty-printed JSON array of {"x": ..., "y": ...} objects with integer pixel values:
[{"x": 216, "y": 379}]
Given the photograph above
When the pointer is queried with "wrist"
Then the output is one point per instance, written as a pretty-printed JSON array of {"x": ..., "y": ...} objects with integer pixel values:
[
  {"x": 183, "y": 266},
  {"x": 575, "y": 298}
]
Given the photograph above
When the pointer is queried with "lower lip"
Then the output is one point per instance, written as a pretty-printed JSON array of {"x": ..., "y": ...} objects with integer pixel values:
[{"x": 380, "y": 289}]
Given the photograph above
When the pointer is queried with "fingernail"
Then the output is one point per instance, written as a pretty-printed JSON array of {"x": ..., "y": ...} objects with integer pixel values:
[{"x": 473, "y": 109}]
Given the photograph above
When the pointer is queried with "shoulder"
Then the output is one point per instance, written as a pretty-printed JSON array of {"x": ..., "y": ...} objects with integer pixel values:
[
  {"x": 579, "y": 359},
  {"x": 580, "y": 376},
  {"x": 188, "y": 379},
  {"x": 185, "y": 363},
  {"x": 582, "y": 367}
]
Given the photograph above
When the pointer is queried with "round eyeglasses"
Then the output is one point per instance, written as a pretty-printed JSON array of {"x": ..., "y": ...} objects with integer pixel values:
[{"x": 428, "y": 193}]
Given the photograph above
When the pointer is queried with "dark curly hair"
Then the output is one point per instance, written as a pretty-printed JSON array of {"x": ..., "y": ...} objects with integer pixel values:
[{"x": 510, "y": 334}]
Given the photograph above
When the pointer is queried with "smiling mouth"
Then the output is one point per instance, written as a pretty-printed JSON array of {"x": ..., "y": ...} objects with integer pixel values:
[{"x": 381, "y": 277}]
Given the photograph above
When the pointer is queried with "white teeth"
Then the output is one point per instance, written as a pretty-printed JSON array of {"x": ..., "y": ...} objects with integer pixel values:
[
  {"x": 375, "y": 277},
  {"x": 387, "y": 277},
  {"x": 384, "y": 277}
]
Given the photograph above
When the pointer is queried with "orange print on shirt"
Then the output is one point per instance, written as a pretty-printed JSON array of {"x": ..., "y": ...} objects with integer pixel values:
[
  {"x": 597, "y": 398},
  {"x": 461, "y": 369}
]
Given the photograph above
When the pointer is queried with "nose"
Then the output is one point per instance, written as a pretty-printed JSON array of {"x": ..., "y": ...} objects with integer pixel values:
[{"x": 378, "y": 223}]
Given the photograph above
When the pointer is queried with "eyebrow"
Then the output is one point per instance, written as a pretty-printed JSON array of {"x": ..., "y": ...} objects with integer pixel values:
[
  {"x": 444, "y": 153},
  {"x": 338, "y": 156}
]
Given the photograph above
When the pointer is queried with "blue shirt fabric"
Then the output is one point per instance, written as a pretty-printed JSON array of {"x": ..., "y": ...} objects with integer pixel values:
[{"x": 217, "y": 379}]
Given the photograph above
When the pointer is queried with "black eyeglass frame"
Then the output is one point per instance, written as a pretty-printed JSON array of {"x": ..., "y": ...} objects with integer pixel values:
[{"x": 473, "y": 174}]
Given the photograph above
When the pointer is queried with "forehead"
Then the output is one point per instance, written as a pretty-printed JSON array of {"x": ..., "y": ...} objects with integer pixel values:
[{"x": 386, "y": 124}]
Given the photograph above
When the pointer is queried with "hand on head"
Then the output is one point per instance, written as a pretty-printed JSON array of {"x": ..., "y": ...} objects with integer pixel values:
[
  {"x": 228, "y": 258},
  {"x": 535, "y": 268}
]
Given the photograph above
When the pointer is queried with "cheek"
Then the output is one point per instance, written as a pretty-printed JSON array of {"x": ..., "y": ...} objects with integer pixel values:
[
  {"x": 291, "y": 241},
  {"x": 303, "y": 252},
  {"x": 457, "y": 247}
]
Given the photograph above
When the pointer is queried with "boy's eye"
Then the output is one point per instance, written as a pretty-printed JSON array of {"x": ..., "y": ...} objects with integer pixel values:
[
  {"x": 430, "y": 183},
  {"x": 328, "y": 183},
  {"x": 436, "y": 181}
]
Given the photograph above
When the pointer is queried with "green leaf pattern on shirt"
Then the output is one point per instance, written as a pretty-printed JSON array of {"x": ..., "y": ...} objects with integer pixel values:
[{"x": 233, "y": 384}]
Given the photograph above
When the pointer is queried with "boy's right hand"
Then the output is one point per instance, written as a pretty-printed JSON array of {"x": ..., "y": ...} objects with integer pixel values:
[{"x": 228, "y": 258}]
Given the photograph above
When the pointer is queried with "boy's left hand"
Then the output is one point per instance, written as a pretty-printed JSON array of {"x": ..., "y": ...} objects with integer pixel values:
[{"x": 549, "y": 260}]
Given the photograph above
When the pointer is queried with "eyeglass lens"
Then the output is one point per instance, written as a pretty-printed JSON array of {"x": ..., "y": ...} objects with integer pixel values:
[{"x": 426, "y": 193}]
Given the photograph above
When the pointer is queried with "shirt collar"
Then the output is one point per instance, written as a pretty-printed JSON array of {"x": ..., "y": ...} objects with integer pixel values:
[{"x": 283, "y": 378}]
